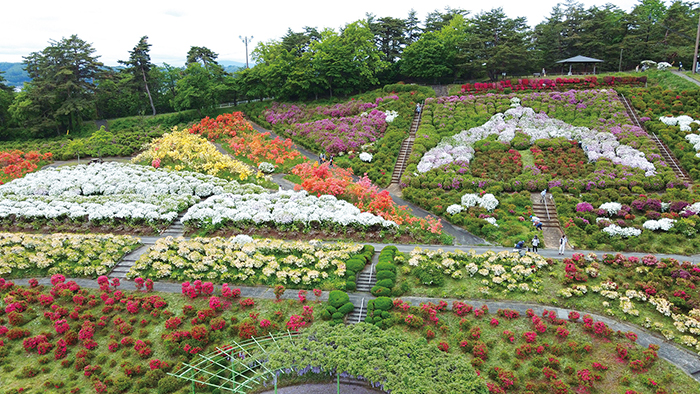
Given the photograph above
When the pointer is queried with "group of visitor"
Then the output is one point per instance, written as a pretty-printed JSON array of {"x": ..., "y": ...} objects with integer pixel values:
[{"x": 322, "y": 159}]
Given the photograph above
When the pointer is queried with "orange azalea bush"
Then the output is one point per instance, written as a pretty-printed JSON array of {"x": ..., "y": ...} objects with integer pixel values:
[
  {"x": 226, "y": 125},
  {"x": 258, "y": 147},
  {"x": 246, "y": 141},
  {"x": 321, "y": 179},
  {"x": 15, "y": 164}
]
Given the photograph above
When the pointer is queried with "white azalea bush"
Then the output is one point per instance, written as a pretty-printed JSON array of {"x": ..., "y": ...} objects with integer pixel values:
[
  {"x": 366, "y": 157},
  {"x": 132, "y": 208},
  {"x": 266, "y": 167},
  {"x": 109, "y": 194},
  {"x": 255, "y": 261},
  {"x": 488, "y": 201},
  {"x": 505, "y": 271},
  {"x": 281, "y": 210},
  {"x": 664, "y": 224},
  {"x": 391, "y": 115},
  {"x": 119, "y": 178},
  {"x": 73, "y": 255},
  {"x": 624, "y": 232}
]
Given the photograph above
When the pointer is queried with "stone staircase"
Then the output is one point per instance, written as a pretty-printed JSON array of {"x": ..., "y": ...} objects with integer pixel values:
[
  {"x": 665, "y": 152},
  {"x": 121, "y": 269},
  {"x": 176, "y": 229},
  {"x": 366, "y": 279},
  {"x": 405, "y": 151},
  {"x": 551, "y": 229}
]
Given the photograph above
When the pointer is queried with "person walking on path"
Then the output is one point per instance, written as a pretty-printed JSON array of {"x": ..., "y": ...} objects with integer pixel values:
[
  {"x": 535, "y": 243},
  {"x": 562, "y": 244},
  {"x": 418, "y": 108},
  {"x": 543, "y": 194}
]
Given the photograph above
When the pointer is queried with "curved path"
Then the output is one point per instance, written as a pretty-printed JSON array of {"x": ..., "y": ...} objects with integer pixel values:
[{"x": 682, "y": 75}]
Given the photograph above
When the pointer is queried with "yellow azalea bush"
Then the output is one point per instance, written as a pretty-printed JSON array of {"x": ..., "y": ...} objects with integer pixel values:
[
  {"x": 250, "y": 261},
  {"x": 180, "y": 150},
  {"x": 76, "y": 255}
]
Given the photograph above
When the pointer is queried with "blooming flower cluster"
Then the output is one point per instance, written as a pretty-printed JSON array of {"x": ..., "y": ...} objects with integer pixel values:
[
  {"x": 68, "y": 254},
  {"x": 258, "y": 261},
  {"x": 488, "y": 201},
  {"x": 683, "y": 121},
  {"x": 118, "y": 178},
  {"x": 154, "y": 208},
  {"x": 506, "y": 270},
  {"x": 181, "y": 150},
  {"x": 366, "y": 157},
  {"x": 664, "y": 224},
  {"x": 624, "y": 232},
  {"x": 283, "y": 207}
]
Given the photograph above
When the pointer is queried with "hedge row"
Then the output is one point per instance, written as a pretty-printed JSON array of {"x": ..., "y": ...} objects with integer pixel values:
[
  {"x": 386, "y": 272},
  {"x": 356, "y": 264}
]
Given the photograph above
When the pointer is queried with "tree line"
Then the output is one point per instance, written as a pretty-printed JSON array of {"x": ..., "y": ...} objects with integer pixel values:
[{"x": 69, "y": 85}]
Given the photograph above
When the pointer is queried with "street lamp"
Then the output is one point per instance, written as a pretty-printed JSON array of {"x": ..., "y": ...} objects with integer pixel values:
[
  {"x": 697, "y": 41},
  {"x": 246, "y": 40}
]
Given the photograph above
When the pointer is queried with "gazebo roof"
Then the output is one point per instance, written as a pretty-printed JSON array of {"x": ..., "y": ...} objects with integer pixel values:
[{"x": 581, "y": 59}]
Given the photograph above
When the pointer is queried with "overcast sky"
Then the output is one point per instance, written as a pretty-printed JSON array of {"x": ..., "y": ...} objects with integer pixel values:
[{"x": 174, "y": 26}]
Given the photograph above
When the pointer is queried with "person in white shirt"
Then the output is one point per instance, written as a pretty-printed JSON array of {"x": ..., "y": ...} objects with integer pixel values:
[
  {"x": 562, "y": 244},
  {"x": 535, "y": 243}
]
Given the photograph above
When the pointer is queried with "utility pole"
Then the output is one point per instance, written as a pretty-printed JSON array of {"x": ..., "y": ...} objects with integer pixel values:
[
  {"x": 697, "y": 42},
  {"x": 619, "y": 68},
  {"x": 246, "y": 40}
]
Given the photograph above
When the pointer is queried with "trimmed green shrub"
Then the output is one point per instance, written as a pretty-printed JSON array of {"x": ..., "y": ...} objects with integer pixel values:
[
  {"x": 325, "y": 315},
  {"x": 386, "y": 283},
  {"x": 347, "y": 308},
  {"x": 380, "y": 291},
  {"x": 383, "y": 303},
  {"x": 355, "y": 265},
  {"x": 338, "y": 316},
  {"x": 386, "y": 266},
  {"x": 338, "y": 298},
  {"x": 350, "y": 286},
  {"x": 386, "y": 275}
]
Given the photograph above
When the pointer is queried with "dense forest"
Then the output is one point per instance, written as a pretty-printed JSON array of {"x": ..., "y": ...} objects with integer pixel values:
[{"x": 70, "y": 85}]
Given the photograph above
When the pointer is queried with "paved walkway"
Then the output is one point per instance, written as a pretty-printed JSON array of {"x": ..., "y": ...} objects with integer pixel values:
[
  {"x": 683, "y": 75},
  {"x": 685, "y": 360}
]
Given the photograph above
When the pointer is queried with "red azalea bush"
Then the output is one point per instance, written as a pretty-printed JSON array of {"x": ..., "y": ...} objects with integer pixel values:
[{"x": 16, "y": 164}]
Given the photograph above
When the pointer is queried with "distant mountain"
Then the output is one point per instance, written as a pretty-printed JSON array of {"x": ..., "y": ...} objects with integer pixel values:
[
  {"x": 14, "y": 73},
  {"x": 16, "y": 76},
  {"x": 230, "y": 66}
]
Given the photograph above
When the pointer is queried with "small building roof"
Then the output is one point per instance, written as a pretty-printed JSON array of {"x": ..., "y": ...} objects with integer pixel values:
[{"x": 581, "y": 59}]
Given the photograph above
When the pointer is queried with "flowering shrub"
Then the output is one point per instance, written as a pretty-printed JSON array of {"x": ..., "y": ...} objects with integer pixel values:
[
  {"x": 225, "y": 260},
  {"x": 16, "y": 164},
  {"x": 296, "y": 322},
  {"x": 182, "y": 150},
  {"x": 506, "y": 270},
  {"x": 42, "y": 256}
]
